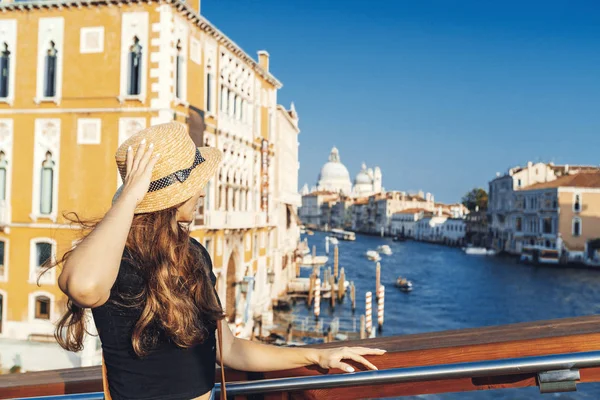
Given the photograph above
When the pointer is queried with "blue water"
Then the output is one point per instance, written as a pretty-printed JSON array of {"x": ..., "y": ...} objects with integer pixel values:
[{"x": 454, "y": 291}]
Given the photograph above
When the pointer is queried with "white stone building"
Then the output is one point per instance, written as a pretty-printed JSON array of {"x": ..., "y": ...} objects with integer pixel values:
[
  {"x": 453, "y": 231},
  {"x": 287, "y": 199},
  {"x": 404, "y": 222}
]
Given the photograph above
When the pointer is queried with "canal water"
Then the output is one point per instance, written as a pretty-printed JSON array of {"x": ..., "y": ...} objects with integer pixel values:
[{"x": 453, "y": 290}]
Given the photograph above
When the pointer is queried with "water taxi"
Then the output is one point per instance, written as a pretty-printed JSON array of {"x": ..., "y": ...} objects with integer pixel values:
[
  {"x": 539, "y": 255},
  {"x": 478, "y": 251},
  {"x": 373, "y": 255},
  {"x": 404, "y": 284},
  {"x": 343, "y": 235},
  {"x": 385, "y": 249}
]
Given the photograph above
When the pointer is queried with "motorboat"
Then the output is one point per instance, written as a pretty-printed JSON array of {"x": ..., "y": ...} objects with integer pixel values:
[
  {"x": 399, "y": 239},
  {"x": 385, "y": 249},
  {"x": 309, "y": 260},
  {"x": 479, "y": 251},
  {"x": 343, "y": 235},
  {"x": 404, "y": 284},
  {"x": 373, "y": 255}
]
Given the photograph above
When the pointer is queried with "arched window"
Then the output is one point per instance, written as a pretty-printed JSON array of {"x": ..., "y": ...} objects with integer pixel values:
[
  {"x": 179, "y": 71},
  {"x": 224, "y": 98},
  {"x": 577, "y": 228},
  {"x": 3, "y": 175},
  {"x": 577, "y": 202},
  {"x": 47, "y": 182},
  {"x": 135, "y": 68},
  {"x": 50, "y": 70},
  {"x": 2, "y": 260},
  {"x": 209, "y": 89},
  {"x": 4, "y": 71}
]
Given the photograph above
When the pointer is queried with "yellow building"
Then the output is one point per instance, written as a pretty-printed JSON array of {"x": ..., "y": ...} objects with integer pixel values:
[
  {"x": 562, "y": 215},
  {"x": 78, "y": 79}
]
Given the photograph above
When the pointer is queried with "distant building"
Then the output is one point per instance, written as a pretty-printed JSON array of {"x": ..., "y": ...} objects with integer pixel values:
[
  {"x": 403, "y": 222},
  {"x": 334, "y": 176},
  {"x": 501, "y": 194},
  {"x": 562, "y": 214},
  {"x": 476, "y": 232}
]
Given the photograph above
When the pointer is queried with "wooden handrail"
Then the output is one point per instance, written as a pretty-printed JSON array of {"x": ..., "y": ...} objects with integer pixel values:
[{"x": 490, "y": 343}]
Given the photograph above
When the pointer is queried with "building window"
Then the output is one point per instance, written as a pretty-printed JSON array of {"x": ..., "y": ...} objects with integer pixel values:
[
  {"x": 134, "y": 86},
  {"x": 42, "y": 250},
  {"x": 4, "y": 71},
  {"x": 42, "y": 307},
  {"x": 179, "y": 71},
  {"x": 207, "y": 197},
  {"x": 519, "y": 224},
  {"x": 208, "y": 245},
  {"x": 3, "y": 175},
  {"x": 577, "y": 203},
  {"x": 50, "y": 70},
  {"x": 577, "y": 229},
  {"x": 547, "y": 225},
  {"x": 47, "y": 185},
  {"x": 2, "y": 259},
  {"x": 224, "y": 97},
  {"x": 209, "y": 91}
]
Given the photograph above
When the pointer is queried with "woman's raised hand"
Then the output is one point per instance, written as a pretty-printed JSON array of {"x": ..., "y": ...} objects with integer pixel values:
[{"x": 139, "y": 171}]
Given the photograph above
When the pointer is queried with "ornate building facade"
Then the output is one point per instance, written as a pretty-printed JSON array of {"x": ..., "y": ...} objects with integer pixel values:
[{"x": 89, "y": 76}]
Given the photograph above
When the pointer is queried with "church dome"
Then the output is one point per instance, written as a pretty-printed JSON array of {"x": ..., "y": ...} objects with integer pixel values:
[
  {"x": 363, "y": 178},
  {"x": 334, "y": 175}
]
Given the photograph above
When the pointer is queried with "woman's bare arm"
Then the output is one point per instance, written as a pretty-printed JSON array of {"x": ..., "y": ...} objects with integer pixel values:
[
  {"x": 244, "y": 355},
  {"x": 91, "y": 269}
]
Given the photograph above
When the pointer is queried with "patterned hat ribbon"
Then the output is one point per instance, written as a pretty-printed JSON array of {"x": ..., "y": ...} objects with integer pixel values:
[{"x": 177, "y": 176}]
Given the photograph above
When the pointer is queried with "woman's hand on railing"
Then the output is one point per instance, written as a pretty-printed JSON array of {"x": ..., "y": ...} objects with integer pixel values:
[{"x": 332, "y": 358}]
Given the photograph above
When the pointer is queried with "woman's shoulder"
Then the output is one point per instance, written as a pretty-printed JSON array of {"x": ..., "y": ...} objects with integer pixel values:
[{"x": 203, "y": 251}]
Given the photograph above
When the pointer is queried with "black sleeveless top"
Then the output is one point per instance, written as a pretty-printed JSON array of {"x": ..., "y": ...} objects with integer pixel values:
[{"x": 168, "y": 372}]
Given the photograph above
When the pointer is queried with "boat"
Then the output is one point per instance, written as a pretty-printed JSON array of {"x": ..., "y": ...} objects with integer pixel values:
[
  {"x": 302, "y": 286},
  {"x": 404, "y": 284},
  {"x": 540, "y": 255},
  {"x": 309, "y": 260},
  {"x": 479, "y": 251},
  {"x": 385, "y": 249},
  {"x": 373, "y": 255},
  {"x": 343, "y": 235},
  {"x": 399, "y": 239},
  {"x": 333, "y": 240}
]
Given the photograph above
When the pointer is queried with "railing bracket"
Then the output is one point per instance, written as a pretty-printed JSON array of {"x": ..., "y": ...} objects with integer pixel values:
[{"x": 564, "y": 380}]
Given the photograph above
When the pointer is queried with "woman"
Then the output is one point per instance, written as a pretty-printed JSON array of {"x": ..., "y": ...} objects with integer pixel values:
[{"x": 151, "y": 287}]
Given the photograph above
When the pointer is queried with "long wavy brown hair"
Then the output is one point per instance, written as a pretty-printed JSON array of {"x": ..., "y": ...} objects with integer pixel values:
[{"x": 176, "y": 295}]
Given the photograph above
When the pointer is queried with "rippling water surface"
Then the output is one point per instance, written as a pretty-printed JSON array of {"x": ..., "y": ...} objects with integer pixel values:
[{"x": 453, "y": 291}]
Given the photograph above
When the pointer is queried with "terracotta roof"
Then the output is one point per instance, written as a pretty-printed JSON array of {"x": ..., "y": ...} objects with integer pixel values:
[
  {"x": 361, "y": 202},
  {"x": 410, "y": 211},
  {"x": 583, "y": 180},
  {"x": 322, "y": 193}
]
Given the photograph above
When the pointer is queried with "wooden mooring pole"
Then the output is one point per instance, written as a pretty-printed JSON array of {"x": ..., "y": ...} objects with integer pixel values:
[
  {"x": 332, "y": 284},
  {"x": 369, "y": 312},
  {"x": 377, "y": 279},
  {"x": 317, "y": 308},
  {"x": 353, "y": 296},
  {"x": 341, "y": 282},
  {"x": 311, "y": 288},
  {"x": 335, "y": 261},
  {"x": 363, "y": 332},
  {"x": 380, "y": 305}
]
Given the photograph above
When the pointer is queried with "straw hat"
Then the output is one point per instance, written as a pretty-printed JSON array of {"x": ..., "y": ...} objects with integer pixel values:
[{"x": 180, "y": 172}]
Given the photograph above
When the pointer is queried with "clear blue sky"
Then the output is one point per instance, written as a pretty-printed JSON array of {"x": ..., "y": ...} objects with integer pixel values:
[{"x": 440, "y": 94}]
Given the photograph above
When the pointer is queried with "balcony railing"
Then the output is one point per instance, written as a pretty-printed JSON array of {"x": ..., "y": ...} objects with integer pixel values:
[{"x": 554, "y": 355}]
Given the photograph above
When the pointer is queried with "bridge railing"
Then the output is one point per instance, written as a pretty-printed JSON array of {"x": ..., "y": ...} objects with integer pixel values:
[{"x": 554, "y": 355}]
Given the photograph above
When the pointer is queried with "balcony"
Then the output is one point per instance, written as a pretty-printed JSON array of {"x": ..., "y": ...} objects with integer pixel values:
[{"x": 554, "y": 355}]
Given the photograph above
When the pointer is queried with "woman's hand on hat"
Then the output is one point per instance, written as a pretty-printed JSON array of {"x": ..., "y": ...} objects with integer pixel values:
[
  {"x": 139, "y": 171},
  {"x": 332, "y": 358}
]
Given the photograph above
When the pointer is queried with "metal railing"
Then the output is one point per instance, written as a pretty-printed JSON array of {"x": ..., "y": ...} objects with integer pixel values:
[{"x": 568, "y": 364}]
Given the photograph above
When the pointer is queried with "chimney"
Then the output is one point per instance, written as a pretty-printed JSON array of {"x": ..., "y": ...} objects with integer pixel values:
[{"x": 263, "y": 59}]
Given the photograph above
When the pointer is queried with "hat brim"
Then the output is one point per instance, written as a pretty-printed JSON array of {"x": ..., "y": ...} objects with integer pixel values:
[{"x": 179, "y": 192}]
